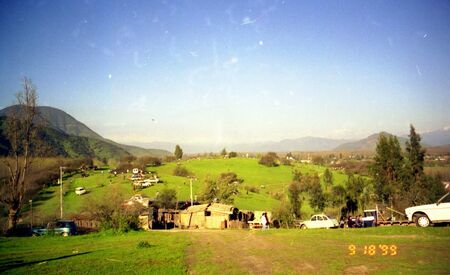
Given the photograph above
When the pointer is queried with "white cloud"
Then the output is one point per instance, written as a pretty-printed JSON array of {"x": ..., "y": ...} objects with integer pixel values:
[
  {"x": 230, "y": 62},
  {"x": 139, "y": 104},
  {"x": 247, "y": 20}
]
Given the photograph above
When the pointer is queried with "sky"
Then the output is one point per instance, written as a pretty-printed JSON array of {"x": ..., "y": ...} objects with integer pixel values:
[{"x": 232, "y": 71}]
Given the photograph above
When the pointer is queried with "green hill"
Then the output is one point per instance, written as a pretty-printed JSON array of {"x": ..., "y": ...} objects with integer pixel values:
[
  {"x": 57, "y": 143},
  {"x": 72, "y": 138},
  {"x": 270, "y": 184}
]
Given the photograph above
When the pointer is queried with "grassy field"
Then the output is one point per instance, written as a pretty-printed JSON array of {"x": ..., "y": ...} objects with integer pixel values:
[
  {"x": 268, "y": 180},
  {"x": 417, "y": 251},
  {"x": 95, "y": 254}
]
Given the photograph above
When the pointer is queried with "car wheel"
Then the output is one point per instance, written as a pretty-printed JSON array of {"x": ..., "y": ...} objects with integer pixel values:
[
  {"x": 303, "y": 226},
  {"x": 65, "y": 234},
  {"x": 422, "y": 220}
]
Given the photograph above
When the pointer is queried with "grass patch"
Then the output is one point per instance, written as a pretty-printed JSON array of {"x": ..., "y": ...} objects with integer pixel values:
[{"x": 95, "y": 253}]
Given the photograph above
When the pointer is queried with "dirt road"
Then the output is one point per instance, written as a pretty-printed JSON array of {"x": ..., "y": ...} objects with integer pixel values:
[{"x": 235, "y": 252}]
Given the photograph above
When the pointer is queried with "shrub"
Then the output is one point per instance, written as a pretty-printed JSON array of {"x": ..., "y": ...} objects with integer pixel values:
[
  {"x": 167, "y": 198},
  {"x": 181, "y": 171},
  {"x": 283, "y": 215},
  {"x": 112, "y": 215},
  {"x": 232, "y": 154},
  {"x": 252, "y": 189},
  {"x": 270, "y": 160},
  {"x": 143, "y": 244},
  {"x": 169, "y": 158}
]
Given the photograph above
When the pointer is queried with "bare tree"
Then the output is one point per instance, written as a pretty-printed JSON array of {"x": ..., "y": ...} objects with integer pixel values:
[{"x": 21, "y": 132}]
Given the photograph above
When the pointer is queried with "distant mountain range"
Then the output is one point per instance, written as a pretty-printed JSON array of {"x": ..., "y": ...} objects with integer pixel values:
[
  {"x": 286, "y": 145},
  {"x": 68, "y": 137},
  {"x": 306, "y": 144},
  {"x": 437, "y": 138},
  {"x": 366, "y": 144}
]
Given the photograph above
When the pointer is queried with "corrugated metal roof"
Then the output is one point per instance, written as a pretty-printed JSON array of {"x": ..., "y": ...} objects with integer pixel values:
[
  {"x": 221, "y": 208},
  {"x": 196, "y": 208}
]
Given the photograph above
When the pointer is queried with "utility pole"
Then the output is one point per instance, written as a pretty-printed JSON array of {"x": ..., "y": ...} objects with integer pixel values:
[
  {"x": 192, "y": 200},
  {"x": 31, "y": 209},
  {"x": 61, "y": 190}
]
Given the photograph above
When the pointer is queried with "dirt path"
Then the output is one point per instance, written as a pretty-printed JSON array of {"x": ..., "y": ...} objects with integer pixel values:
[{"x": 238, "y": 252}]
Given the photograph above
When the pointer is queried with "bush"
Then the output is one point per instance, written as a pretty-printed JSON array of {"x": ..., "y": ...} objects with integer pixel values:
[
  {"x": 167, "y": 198},
  {"x": 169, "y": 158},
  {"x": 112, "y": 215},
  {"x": 252, "y": 189},
  {"x": 270, "y": 160},
  {"x": 143, "y": 244},
  {"x": 181, "y": 171},
  {"x": 232, "y": 155},
  {"x": 283, "y": 215}
]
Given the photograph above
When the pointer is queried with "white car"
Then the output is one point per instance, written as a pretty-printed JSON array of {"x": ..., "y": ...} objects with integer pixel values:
[
  {"x": 424, "y": 215},
  {"x": 80, "y": 190},
  {"x": 319, "y": 221},
  {"x": 139, "y": 199}
]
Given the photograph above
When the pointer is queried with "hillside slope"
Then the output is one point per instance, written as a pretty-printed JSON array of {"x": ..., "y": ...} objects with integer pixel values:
[
  {"x": 367, "y": 144},
  {"x": 57, "y": 143},
  {"x": 72, "y": 132}
]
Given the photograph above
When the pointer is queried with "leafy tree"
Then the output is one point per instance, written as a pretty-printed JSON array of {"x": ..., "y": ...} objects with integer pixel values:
[
  {"x": 283, "y": 214},
  {"x": 111, "y": 213},
  {"x": 167, "y": 198},
  {"x": 232, "y": 154},
  {"x": 223, "y": 152},
  {"x": 223, "y": 189},
  {"x": 387, "y": 168},
  {"x": 178, "y": 152},
  {"x": 337, "y": 196},
  {"x": 294, "y": 191},
  {"x": 20, "y": 131},
  {"x": 317, "y": 198},
  {"x": 328, "y": 178},
  {"x": 415, "y": 154},
  {"x": 270, "y": 159}
]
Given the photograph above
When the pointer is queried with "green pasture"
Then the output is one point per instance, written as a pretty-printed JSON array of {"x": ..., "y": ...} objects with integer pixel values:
[
  {"x": 274, "y": 251},
  {"x": 95, "y": 254},
  {"x": 267, "y": 180}
]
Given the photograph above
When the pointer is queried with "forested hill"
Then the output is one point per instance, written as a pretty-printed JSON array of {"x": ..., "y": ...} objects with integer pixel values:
[{"x": 71, "y": 138}]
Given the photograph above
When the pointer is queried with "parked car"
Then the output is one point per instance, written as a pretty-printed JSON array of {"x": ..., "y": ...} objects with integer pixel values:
[
  {"x": 144, "y": 183},
  {"x": 138, "y": 199},
  {"x": 80, "y": 190},
  {"x": 60, "y": 227},
  {"x": 319, "y": 221},
  {"x": 425, "y": 215}
]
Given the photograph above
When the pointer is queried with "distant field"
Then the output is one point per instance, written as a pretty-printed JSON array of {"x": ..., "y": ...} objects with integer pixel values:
[
  {"x": 268, "y": 180},
  {"x": 409, "y": 250},
  {"x": 442, "y": 171}
]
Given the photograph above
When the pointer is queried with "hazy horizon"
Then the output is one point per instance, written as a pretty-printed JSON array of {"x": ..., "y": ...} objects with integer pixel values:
[{"x": 233, "y": 72}]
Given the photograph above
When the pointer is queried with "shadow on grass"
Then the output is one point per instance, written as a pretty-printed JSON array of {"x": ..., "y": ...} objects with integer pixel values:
[
  {"x": 21, "y": 263},
  {"x": 42, "y": 197}
]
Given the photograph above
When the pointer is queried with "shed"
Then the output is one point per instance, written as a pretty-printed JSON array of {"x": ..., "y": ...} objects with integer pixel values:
[
  {"x": 211, "y": 216},
  {"x": 219, "y": 215},
  {"x": 193, "y": 216}
]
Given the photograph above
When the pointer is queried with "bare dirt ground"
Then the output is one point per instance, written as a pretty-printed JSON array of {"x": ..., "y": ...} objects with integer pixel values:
[{"x": 238, "y": 253}]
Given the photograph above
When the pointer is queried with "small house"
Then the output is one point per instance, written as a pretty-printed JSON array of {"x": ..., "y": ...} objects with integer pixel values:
[{"x": 210, "y": 216}]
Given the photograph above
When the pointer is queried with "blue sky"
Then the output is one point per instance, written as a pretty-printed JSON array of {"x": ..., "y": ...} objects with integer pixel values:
[{"x": 232, "y": 71}]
